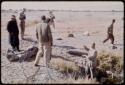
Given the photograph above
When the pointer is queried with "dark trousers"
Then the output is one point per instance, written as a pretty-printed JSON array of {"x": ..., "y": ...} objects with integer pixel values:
[
  {"x": 111, "y": 37},
  {"x": 14, "y": 41}
]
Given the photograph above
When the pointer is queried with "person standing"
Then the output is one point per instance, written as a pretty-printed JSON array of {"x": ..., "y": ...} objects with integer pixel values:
[
  {"x": 22, "y": 18},
  {"x": 45, "y": 41},
  {"x": 52, "y": 17},
  {"x": 110, "y": 33},
  {"x": 13, "y": 31}
]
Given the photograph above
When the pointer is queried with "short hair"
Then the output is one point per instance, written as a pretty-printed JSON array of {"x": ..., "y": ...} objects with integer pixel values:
[
  {"x": 43, "y": 17},
  {"x": 13, "y": 16}
]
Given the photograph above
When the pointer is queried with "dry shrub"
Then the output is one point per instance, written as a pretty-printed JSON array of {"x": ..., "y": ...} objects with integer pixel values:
[
  {"x": 111, "y": 62},
  {"x": 71, "y": 80},
  {"x": 86, "y": 81},
  {"x": 64, "y": 66},
  {"x": 68, "y": 67}
]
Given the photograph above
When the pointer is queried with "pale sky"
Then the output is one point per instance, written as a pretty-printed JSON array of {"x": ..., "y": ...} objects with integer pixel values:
[{"x": 65, "y": 5}]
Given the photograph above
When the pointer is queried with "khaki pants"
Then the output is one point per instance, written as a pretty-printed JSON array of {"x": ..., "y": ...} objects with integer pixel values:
[
  {"x": 22, "y": 26},
  {"x": 45, "y": 51}
]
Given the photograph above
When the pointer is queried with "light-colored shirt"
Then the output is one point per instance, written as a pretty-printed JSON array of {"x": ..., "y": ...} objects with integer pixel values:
[
  {"x": 22, "y": 16},
  {"x": 43, "y": 33}
]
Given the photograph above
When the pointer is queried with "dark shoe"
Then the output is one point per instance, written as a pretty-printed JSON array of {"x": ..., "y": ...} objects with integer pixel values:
[
  {"x": 22, "y": 38},
  {"x": 36, "y": 65},
  {"x": 18, "y": 50}
]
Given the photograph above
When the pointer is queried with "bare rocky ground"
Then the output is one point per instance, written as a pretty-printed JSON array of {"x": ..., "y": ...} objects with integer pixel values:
[{"x": 26, "y": 72}]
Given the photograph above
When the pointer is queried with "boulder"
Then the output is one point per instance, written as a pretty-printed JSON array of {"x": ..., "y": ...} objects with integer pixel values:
[
  {"x": 26, "y": 55},
  {"x": 114, "y": 47},
  {"x": 11, "y": 56},
  {"x": 29, "y": 53},
  {"x": 70, "y": 35},
  {"x": 76, "y": 53},
  {"x": 59, "y": 38},
  {"x": 86, "y": 33}
]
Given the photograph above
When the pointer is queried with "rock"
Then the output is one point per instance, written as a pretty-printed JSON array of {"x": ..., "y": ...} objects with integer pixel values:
[
  {"x": 29, "y": 53},
  {"x": 59, "y": 38},
  {"x": 11, "y": 56},
  {"x": 77, "y": 53},
  {"x": 86, "y": 33},
  {"x": 70, "y": 35},
  {"x": 22, "y": 56},
  {"x": 114, "y": 47}
]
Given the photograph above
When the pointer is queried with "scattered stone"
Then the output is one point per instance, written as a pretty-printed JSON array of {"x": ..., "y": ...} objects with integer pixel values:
[
  {"x": 29, "y": 53},
  {"x": 59, "y": 38},
  {"x": 86, "y": 33},
  {"x": 11, "y": 56},
  {"x": 77, "y": 53},
  {"x": 70, "y": 35},
  {"x": 114, "y": 47},
  {"x": 26, "y": 55}
]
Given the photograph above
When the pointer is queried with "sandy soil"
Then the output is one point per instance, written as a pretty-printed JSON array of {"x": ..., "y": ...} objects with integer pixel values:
[{"x": 77, "y": 23}]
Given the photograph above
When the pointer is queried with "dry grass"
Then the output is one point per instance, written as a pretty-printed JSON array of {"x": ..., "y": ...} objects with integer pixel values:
[
  {"x": 68, "y": 67},
  {"x": 106, "y": 62},
  {"x": 111, "y": 62},
  {"x": 73, "y": 81},
  {"x": 64, "y": 66}
]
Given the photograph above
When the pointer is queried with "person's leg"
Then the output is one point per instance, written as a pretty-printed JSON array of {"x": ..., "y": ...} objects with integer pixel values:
[
  {"x": 106, "y": 39},
  {"x": 12, "y": 42},
  {"x": 53, "y": 24},
  {"x": 50, "y": 51},
  {"x": 47, "y": 52},
  {"x": 112, "y": 38},
  {"x": 39, "y": 54},
  {"x": 17, "y": 42},
  {"x": 22, "y": 29}
]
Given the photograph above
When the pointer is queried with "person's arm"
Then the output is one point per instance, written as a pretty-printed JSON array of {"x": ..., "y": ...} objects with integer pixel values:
[
  {"x": 36, "y": 33},
  {"x": 50, "y": 35},
  {"x": 9, "y": 27}
]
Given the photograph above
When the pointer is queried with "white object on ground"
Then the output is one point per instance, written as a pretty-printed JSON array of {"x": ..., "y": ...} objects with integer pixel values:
[{"x": 86, "y": 33}]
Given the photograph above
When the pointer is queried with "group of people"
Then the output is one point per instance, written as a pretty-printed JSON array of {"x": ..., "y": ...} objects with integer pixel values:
[
  {"x": 44, "y": 36},
  {"x": 13, "y": 30}
]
